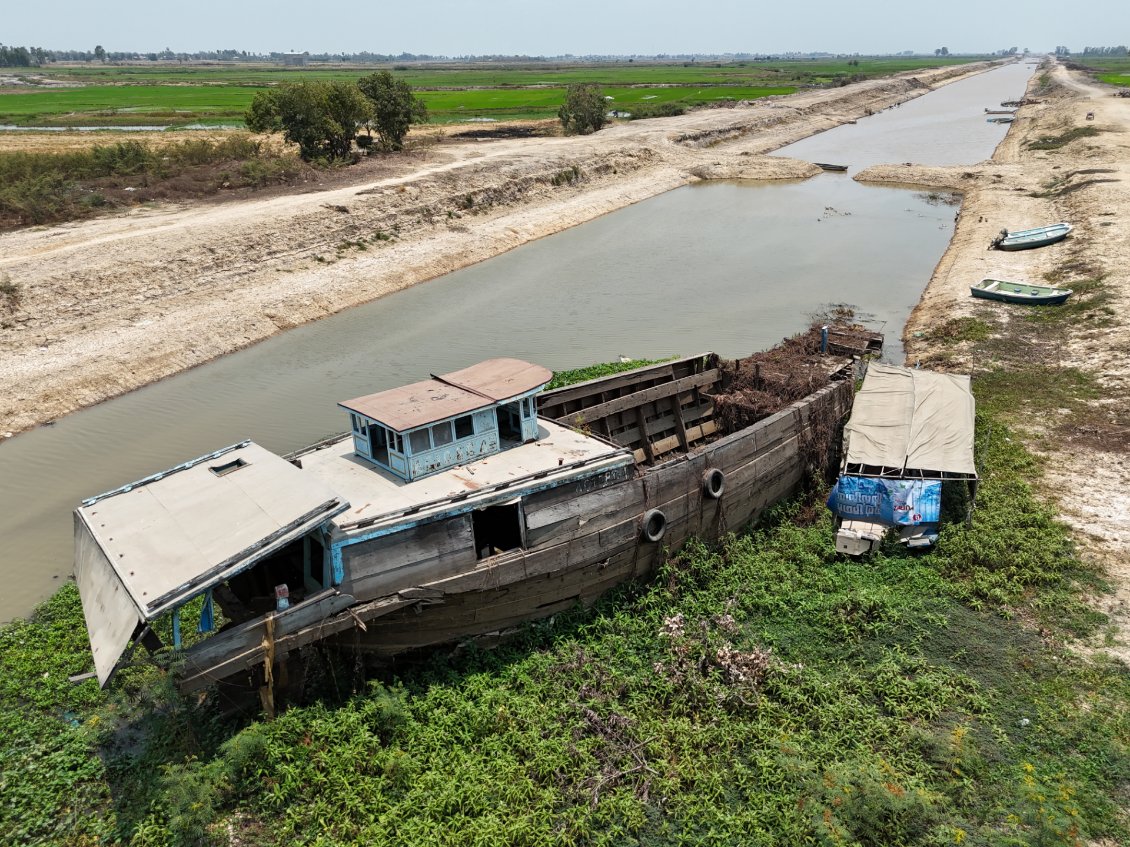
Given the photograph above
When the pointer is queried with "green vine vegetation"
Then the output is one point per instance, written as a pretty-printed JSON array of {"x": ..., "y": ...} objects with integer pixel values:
[{"x": 760, "y": 691}]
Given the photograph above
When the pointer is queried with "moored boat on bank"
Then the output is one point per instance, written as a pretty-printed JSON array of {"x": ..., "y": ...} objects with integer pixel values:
[
  {"x": 1026, "y": 239},
  {"x": 1005, "y": 291}
]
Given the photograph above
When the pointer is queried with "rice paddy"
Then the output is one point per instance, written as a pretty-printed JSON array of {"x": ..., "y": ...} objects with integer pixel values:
[{"x": 177, "y": 96}]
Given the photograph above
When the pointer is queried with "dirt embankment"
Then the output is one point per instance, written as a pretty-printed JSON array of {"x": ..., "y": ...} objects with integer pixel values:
[
  {"x": 93, "y": 309},
  {"x": 1064, "y": 370}
]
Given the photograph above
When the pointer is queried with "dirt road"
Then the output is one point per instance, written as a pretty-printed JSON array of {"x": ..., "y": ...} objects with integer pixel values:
[{"x": 93, "y": 309}]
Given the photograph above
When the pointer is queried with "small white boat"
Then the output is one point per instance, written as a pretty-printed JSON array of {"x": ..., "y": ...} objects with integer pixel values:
[{"x": 1025, "y": 239}]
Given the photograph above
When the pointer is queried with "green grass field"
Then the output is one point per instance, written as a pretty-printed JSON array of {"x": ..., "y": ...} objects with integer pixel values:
[
  {"x": 164, "y": 95},
  {"x": 460, "y": 76},
  {"x": 1113, "y": 71}
]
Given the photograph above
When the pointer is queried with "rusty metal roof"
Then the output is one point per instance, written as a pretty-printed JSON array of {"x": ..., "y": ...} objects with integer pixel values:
[
  {"x": 500, "y": 379},
  {"x": 449, "y": 395},
  {"x": 417, "y": 404}
]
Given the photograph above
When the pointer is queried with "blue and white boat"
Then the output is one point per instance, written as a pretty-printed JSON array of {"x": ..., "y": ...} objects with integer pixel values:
[{"x": 1026, "y": 239}]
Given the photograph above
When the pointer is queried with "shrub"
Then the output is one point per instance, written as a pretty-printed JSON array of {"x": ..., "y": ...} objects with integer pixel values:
[{"x": 583, "y": 111}]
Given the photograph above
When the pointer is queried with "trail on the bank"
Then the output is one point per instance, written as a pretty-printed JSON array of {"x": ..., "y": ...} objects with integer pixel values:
[{"x": 100, "y": 307}]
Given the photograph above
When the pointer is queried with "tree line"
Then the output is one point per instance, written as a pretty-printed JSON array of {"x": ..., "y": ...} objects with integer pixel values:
[
  {"x": 22, "y": 57},
  {"x": 1120, "y": 50},
  {"x": 324, "y": 117}
]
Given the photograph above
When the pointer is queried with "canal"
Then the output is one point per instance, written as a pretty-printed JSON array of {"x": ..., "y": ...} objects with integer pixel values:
[{"x": 729, "y": 267}]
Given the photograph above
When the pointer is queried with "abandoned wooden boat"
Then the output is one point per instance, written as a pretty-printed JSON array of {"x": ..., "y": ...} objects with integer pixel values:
[
  {"x": 1000, "y": 120},
  {"x": 1000, "y": 111},
  {"x": 1026, "y": 239},
  {"x": 1020, "y": 292},
  {"x": 458, "y": 506},
  {"x": 828, "y": 167},
  {"x": 911, "y": 432}
]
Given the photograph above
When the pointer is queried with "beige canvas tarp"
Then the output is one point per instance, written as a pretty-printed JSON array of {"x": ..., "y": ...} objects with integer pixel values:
[{"x": 911, "y": 421}]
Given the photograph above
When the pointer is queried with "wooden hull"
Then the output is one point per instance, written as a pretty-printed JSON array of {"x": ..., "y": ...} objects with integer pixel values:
[
  {"x": 828, "y": 167},
  {"x": 581, "y": 546},
  {"x": 426, "y": 586}
]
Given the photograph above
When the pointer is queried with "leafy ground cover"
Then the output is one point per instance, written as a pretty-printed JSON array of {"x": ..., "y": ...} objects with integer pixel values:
[{"x": 763, "y": 691}]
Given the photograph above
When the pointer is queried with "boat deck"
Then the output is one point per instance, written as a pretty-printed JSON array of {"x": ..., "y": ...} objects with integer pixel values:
[{"x": 378, "y": 498}]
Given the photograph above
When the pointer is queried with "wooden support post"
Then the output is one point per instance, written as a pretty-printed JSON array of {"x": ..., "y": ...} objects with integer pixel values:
[
  {"x": 701, "y": 417},
  {"x": 267, "y": 692},
  {"x": 680, "y": 424},
  {"x": 645, "y": 441}
]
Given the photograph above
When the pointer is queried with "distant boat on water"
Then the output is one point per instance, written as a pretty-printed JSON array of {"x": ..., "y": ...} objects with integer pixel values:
[{"x": 827, "y": 167}]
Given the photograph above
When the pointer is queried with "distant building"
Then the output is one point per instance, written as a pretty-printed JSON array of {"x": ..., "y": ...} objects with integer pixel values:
[{"x": 295, "y": 58}]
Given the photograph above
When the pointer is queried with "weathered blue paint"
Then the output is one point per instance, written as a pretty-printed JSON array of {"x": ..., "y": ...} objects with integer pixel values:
[
  {"x": 614, "y": 474},
  {"x": 176, "y": 628},
  {"x": 404, "y": 454}
]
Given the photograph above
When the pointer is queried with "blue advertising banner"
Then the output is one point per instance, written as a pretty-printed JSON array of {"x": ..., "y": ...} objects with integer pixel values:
[{"x": 895, "y": 502}]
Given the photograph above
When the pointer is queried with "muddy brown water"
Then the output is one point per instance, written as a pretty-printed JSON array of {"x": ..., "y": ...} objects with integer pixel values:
[{"x": 730, "y": 267}]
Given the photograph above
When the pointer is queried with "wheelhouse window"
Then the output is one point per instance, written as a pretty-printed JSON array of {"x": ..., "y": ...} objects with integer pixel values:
[
  {"x": 419, "y": 441},
  {"x": 441, "y": 434},
  {"x": 464, "y": 426}
]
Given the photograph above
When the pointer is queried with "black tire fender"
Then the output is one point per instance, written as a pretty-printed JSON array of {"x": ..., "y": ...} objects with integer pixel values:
[
  {"x": 713, "y": 483},
  {"x": 654, "y": 526}
]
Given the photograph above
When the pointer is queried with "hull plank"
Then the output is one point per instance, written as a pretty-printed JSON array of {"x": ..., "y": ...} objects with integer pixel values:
[{"x": 413, "y": 557}]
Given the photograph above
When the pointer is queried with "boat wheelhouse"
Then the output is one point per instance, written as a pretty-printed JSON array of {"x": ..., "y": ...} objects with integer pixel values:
[{"x": 448, "y": 420}]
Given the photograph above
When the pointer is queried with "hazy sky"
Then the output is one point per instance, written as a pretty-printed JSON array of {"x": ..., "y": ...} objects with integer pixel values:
[{"x": 540, "y": 27}]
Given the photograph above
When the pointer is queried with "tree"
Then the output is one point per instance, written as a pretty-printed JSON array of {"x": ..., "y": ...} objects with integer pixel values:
[
  {"x": 583, "y": 110},
  {"x": 322, "y": 118},
  {"x": 100, "y": 53},
  {"x": 942, "y": 51},
  {"x": 394, "y": 107}
]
